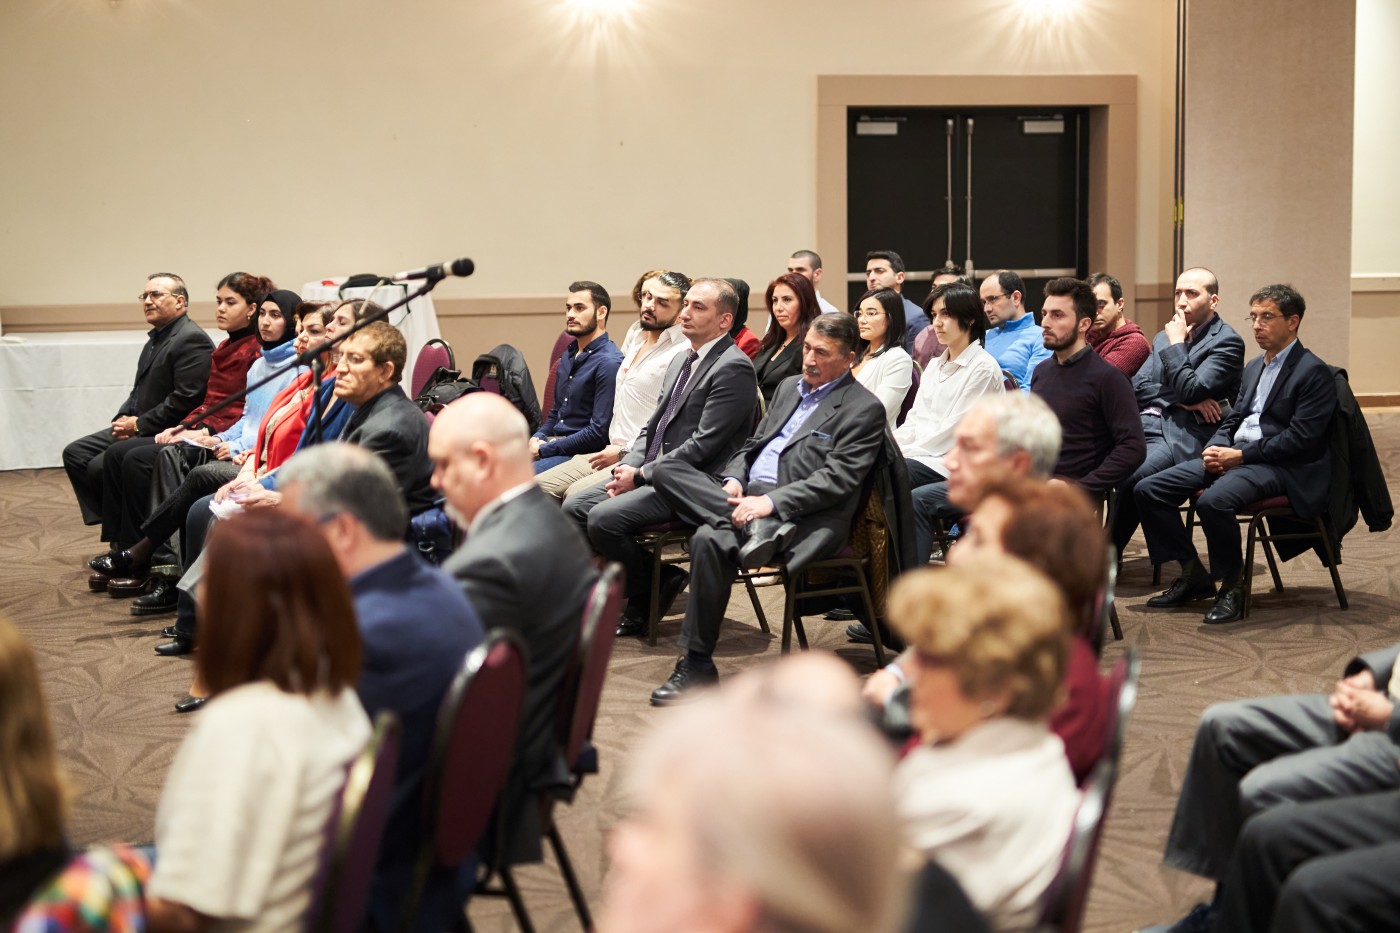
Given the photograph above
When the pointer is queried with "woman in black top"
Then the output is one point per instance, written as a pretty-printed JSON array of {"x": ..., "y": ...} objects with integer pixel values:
[{"x": 792, "y": 305}]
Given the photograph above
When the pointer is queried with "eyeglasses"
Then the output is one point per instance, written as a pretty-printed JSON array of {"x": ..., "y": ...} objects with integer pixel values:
[
  {"x": 1267, "y": 317},
  {"x": 869, "y": 314},
  {"x": 153, "y": 296},
  {"x": 992, "y": 298}
]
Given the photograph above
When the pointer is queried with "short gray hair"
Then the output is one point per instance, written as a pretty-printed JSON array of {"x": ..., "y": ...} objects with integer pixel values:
[
  {"x": 1024, "y": 422},
  {"x": 339, "y": 477}
]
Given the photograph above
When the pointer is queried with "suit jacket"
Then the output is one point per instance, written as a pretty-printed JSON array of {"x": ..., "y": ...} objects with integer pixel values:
[
  {"x": 715, "y": 414},
  {"x": 1294, "y": 423},
  {"x": 171, "y": 376},
  {"x": 823, "y": 467},
  {"x": 1184, "y": 374},
  {"x": 391, "y": 426},
  {"x": 774, "y": 365},
  {"x": 526, "y": 568}
]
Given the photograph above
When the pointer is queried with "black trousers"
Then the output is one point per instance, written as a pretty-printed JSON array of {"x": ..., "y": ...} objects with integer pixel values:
[
  {"x": 1327, "y": 865},
  {"x": 83, "y": 460},
  {"x": 1124, "y": 520},
  {"x": 930, "y": 494},
  {"x": 171, "y": 515}
]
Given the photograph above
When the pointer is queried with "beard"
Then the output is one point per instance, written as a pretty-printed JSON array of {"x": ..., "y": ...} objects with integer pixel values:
[{"x": 1053, "y": 343}]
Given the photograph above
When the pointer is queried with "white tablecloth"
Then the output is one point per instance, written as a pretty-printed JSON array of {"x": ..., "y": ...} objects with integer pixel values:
[
  {"x": 55, "y": 388},
  {"x": 418, "y": 320}
]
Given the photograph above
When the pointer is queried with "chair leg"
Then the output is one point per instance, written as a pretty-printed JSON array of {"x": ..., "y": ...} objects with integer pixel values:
[
  {"x": 1324, "y": 529},
  {"x": 1248, "y": 569},
  {"x": 801, "y": 632},
  {"x": 566, "y": 868},
  {"x": 517, "y": 903},
  {"x": 1269, "y": 558},
  {"x": 654, "y": 610},
  {"x": 1114, "y": 623},
  {"x": 757, "y": 606},
  {"x": 789, "y": 610},
  {"x": 870, "y": 614}
]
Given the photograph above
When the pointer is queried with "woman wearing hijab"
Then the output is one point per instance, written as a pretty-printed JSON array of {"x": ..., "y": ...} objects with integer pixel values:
[{"x": 745, "y": 339}]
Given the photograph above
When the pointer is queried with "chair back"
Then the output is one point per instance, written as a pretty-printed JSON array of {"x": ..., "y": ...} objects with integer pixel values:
[
  {"x": 340, "y": 892},
  {"x": 600, "y": 616},
  {"x": 915, "y": 378},
  {"x": 1069, "y": 893},
  {"x": 1009, "y": 381},
  {"x": 561, "y": 344},
  {"x": 1103, "y": 602},
  {"x": 435, "y": 353},
  {"x": 474, "y": 744}
]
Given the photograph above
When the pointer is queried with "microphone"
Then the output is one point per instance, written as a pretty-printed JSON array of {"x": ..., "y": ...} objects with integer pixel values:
[{"x": 460, "y": 268}]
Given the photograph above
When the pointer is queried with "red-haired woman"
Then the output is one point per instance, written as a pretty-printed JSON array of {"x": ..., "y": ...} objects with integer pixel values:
[{"x": 792, "y": 305}]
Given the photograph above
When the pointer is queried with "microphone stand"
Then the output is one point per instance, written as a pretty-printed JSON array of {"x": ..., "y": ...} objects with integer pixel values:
[{"x": 312, "y": 357}]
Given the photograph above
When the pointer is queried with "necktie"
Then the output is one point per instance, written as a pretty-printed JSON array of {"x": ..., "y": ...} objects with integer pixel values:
[{"x": 654, "y": 444}]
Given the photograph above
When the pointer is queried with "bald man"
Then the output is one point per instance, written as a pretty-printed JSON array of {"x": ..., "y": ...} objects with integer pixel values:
[{"x": 523, "y": 566}]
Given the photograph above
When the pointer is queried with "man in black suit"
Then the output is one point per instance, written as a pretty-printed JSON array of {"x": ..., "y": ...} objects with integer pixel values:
[
  {"x": 791, "y": 490},
  {"x": 704, "y": 414},
  {"x": 1273, "y": 442},
  {"x": 523, "y": 566},
  {"x": 1183, "y": 390},
  {"x": 171, "y": 376}
]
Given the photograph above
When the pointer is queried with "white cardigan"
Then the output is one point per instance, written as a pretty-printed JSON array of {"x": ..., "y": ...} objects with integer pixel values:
[{"x": 889, "y": 375}]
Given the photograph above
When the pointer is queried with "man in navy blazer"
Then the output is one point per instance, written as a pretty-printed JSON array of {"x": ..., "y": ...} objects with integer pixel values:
[
  {"x": 1183, "y": 389},
  {"x": 791, "y": 490},
  {"x": 1273, "y": 442}
]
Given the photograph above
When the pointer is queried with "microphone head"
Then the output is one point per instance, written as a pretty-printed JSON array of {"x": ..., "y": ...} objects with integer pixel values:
[{"x": 461, "y": 267}]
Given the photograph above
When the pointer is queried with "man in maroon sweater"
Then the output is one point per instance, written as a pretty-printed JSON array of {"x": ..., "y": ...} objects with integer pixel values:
[
  {"x": 1102, "y": 440},
  {"x": 1115, "y": 338}
]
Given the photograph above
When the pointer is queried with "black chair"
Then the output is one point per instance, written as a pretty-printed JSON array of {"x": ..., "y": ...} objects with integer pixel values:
[
  {"x": 1105, "y": 609},
  {"x": 473, "y": 748},
  {"x": 340, "y": 891}
]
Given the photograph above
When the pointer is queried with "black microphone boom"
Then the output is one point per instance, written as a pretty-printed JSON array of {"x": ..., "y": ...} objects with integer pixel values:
[{"x": 459, "y": 268}]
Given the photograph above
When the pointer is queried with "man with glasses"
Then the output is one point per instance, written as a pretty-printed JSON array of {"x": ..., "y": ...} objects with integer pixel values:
[
  {"x": 1183, "y": 389},
  {"x": 1273, "y": 442},
  {"x": 1012, "y": 337},
  {"x": 171, "y": 376}
]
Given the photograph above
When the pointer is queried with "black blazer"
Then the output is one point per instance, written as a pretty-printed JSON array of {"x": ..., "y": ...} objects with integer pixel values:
[
  {"x": 1208, "y": 367},
  {"x": 823, "y": 468},
  {"x": 715, "y": 415},
  {"x": 171, "y": 376},
  {"x": 1294, "y": 424},
  {"x": 527, "y": 568},
  {"x": 774, "y": 365},
  {"x": 394, "y": 428}
]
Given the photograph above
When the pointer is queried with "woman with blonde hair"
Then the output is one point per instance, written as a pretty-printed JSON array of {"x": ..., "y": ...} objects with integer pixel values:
[{"x": 987, "y": 793}]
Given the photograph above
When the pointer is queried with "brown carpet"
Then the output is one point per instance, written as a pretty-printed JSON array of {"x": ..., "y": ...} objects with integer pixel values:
[{"x": 110, "y": 696}]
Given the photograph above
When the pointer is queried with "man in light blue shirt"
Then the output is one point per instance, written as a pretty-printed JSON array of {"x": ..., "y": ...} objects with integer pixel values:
[{"x": 1012, "y": 335}]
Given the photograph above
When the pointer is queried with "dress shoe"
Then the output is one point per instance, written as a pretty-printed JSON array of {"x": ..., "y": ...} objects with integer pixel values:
[
  {"x": 189, "y": 704},
  {"x": 1193, "y": 584},
  {"x": 175, "y": 647},
  {"x": 673, "y": 580},
  {"x": 840, "y": 615},
  {"x": 684, "y": 679},
  {"x": 97, "y": 582},
  {"x": 127, "y": 587},
  {"x": 765, "y": 538},
  {"x": 631, "y": 624},
  {"x": 117, "y": 564},
  {"x": 1229, "y": 607},
  {"x": 858, "y": 633},
  {"x": 163, "y": 597}
]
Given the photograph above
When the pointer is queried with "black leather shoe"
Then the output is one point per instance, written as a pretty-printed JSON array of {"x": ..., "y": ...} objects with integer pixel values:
[
  {"x": 858, "y": 633},
  {"x": 766, "y": 538},
  {"x": 162, "y": 598},
  {"x": 683, "y": 680},
  {"x": 631, "y": 625},
  {"x": 97, "y": 582},
  {"x": 116, "y": 564},
  {"x": 1229, "y": 607},
  {"x": 673, "y": 580},
  {"x": 127, "y": 587},
  {"x": 189, "y": 704},
  {"x": 840, "y": 615},
  {"x": 175, "y": 647},
  {"x": 1195, "y": 584}
]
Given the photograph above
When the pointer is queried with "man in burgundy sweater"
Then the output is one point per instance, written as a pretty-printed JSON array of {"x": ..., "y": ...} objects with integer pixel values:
[
  {"x": 1102, "y": 441},
  {"x": 1115, "y": 338}
]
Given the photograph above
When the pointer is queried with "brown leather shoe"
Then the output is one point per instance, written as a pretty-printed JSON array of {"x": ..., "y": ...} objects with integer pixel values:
[
  {"x": 127, "y": 587},
  {"x": 97, "y": 582}
]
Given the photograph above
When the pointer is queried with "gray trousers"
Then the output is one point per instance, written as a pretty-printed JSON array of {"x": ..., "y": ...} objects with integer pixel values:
[{"x": 1250, "y": 755}]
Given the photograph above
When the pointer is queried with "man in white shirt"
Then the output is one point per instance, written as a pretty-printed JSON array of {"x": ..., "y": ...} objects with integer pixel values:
[
  {"x": 808, "y": 264},
  {"x": 650, "y": 345}
]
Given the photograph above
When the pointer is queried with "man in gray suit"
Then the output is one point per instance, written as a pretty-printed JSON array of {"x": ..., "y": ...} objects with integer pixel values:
[
  {"x": 791, "y": 491},
  {"x": 1183, "y": 389},
  {"x": 523, "y": 566},
  {"x": 704, "y": 414}
]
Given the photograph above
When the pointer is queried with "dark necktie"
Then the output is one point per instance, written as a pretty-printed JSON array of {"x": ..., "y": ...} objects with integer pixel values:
[{"x": 654, "y": 445}]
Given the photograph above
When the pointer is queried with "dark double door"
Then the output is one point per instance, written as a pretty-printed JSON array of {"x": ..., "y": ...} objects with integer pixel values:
[{"x": 996, "y": 188}]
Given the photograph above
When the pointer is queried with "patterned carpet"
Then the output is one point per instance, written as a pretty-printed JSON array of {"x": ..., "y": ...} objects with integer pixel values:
[{"x": 110, "y": 696}]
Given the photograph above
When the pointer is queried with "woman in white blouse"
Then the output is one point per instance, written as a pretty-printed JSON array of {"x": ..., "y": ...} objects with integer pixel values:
[
  {"x": 957, "y": 378},
  {"x": 242, "y": 819},
  {"x": 882, "y": 365},
  {"x": 987, "y": 792}
]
